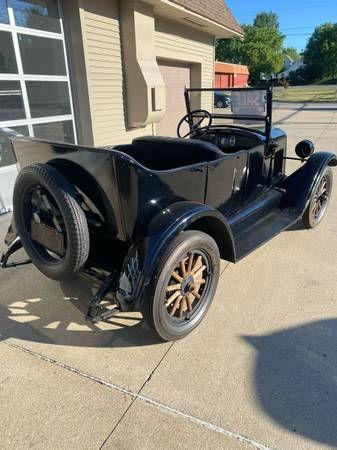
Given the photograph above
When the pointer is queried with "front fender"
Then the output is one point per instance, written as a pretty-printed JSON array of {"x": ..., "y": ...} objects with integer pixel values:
[
  {"x": 139, "y": 267},
  {"x": 300, "y": 184}
]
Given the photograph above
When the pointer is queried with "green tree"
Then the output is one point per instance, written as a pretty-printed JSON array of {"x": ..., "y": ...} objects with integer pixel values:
[
  {"x": 261, "y": 49},
  {"x": 320, "y": 55},
  {"x": 293, "y": 53},
  {"x": 267, "y": 20},
  {"x": 229, "y": 50}
]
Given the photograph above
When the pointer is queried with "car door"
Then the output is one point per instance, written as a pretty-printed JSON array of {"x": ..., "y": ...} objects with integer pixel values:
[
  {"x": 226, "y": 180},
  {"x": 258, "y": 165}
]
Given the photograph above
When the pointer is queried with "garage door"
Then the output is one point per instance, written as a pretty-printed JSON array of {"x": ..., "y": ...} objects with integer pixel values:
[{"x": 176, "y": 77}]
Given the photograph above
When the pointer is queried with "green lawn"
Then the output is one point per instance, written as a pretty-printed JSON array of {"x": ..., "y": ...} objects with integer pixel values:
[{"x": 313, "y": 93}]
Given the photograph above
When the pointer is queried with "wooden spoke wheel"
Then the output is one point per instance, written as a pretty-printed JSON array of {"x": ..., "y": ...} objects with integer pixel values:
[
  {"x": 184, "y": 287},
  {"x": 319, "y": 201},
  {"x": 320, "y": 198}
]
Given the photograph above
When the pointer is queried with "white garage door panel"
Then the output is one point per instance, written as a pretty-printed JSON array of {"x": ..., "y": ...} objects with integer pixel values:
[{"x": 176, "y": 76}]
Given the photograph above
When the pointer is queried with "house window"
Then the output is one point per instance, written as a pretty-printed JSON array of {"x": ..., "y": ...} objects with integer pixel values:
[{"x": 35, "y": 94}]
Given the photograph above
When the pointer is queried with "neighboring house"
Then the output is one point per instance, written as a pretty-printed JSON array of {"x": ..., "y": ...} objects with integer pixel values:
[
  {"x": 290, "y": 66},
  {"x": 288, "y": 62},
  {"x": 102, "y": 72},
  {"x": 230, "y": 75}
]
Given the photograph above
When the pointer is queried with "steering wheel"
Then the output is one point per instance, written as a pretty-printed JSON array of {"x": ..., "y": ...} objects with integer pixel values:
[{"x": 194, "y": 120}]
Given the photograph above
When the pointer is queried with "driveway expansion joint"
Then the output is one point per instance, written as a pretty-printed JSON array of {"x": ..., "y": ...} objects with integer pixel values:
[
  {"x": 224, "y": 269},
  {"x": 137, "y": 396},
  {"x": 325, "y": 129}
]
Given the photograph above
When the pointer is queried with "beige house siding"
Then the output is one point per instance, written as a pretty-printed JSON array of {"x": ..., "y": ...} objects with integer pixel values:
[
  {"x": 181, "y": 43},
  {"x": 103, "y": 61},
  {"x": 76, "y": 62},
  {"x": 102, "y": 46}
]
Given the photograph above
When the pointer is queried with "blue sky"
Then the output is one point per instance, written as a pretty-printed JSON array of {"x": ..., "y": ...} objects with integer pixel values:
[{"x": 298, "y": 18}]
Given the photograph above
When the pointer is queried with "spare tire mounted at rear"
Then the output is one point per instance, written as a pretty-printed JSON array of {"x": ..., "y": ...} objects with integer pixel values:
[{"x": 50, "y": 222}]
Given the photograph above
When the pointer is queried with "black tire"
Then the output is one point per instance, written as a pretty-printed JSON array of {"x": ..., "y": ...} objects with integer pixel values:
[
  {"x": 155, "y": 311},
  {"x": 74, "y": 221},
  {"x": 220, "y": 104},
  {"x": 313, "y": 217}
]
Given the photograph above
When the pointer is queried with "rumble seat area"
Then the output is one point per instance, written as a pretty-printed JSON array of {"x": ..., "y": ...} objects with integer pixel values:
[{"x": 165, "y": 153}]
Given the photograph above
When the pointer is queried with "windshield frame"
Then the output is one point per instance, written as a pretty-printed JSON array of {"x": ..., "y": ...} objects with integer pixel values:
[{"x": 265, "y": 119}]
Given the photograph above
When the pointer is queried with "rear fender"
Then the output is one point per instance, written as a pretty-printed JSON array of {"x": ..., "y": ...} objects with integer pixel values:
[
  {"x": 301, "y": 184},
  {"x": 139, "y": 268},
  {"x": 77, "y": 176}
]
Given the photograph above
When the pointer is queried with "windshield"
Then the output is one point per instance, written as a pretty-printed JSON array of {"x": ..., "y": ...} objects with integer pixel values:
[{"x": 248, "y": 107}]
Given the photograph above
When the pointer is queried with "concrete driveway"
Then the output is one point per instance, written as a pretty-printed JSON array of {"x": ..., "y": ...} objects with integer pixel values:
[{"x": 260, "y": 371}]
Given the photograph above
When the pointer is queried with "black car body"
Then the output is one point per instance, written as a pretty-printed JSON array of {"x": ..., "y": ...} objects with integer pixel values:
[
  {"x": 222, "y": 100},
  {"x": 228, "y": 181}
]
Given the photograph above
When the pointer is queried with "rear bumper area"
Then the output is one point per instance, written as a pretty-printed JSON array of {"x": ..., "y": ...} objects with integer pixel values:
[
  {"x": 13, "y": 248},
  {"x": 11, "y": 234}
]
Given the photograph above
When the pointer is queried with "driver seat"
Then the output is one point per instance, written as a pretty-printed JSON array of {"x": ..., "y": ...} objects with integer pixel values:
[{"x": 163, "y": 153}]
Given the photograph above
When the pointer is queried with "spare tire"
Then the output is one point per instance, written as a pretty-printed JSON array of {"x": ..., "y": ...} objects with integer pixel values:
[{"x": 45, "y": 201}]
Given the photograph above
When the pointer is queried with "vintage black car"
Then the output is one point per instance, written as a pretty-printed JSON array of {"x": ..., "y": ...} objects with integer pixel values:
[
  {"x": 152, "y": 219},
  {"x": 222, "y": 100}
]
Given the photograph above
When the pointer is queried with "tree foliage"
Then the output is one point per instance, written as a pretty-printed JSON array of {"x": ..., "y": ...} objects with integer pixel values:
[
  {"x": 229, "y": 50},
  {"x": 292, "y": 52},
  {"x": 320, "y": 55},
  {"x": 299, "y": 76},
  {"x": 261, "y": 49},
  {"x": 267, "y": 20}
]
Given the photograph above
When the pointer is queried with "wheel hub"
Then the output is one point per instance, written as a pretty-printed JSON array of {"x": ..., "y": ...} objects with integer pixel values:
[{"x": 187, "y": 285}]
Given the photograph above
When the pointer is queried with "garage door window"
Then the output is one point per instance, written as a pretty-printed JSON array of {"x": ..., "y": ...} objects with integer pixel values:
[
  {"x": 7, "y": 55},
  {"x": 35, "y": 92},
  {"x": 53, "y": 62},
  {"x": 3, "y": 12},
  {"x": 7, "y": 157},
  {"x": 48, "y": 98},
  {"x": 55, "y": 130},
  {"x": 11, "y": 101},
  {"x": 38, "y": 14}
]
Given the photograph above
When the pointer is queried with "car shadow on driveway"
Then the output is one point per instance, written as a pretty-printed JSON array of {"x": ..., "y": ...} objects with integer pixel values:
[
  {"x": 57, "y": 317},
  {"x": 297, "y": 226},
  {"x": 296, "y": 378}
]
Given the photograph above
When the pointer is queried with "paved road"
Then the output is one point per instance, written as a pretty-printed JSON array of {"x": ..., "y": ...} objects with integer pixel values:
[{"x": 260, "y": 372}]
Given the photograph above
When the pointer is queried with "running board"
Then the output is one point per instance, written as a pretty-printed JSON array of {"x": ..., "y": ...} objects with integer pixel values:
[
  {"x": 262, "y": 231},
  {"x": 256, "y": 209}
]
